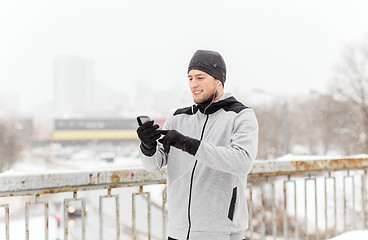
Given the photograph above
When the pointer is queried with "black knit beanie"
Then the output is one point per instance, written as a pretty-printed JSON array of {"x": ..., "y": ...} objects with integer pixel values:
[{"x": 209, "y": 62}]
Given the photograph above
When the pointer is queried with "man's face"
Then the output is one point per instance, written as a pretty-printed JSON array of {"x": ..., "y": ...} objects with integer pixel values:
[{"x": 202, "y": 85}]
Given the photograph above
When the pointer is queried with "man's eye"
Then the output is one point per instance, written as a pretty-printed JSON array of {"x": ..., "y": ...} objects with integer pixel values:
[{"x": 200, "y": 78}]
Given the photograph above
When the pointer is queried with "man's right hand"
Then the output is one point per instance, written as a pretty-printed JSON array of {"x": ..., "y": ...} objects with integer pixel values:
[{"x": 148, "y": 134}]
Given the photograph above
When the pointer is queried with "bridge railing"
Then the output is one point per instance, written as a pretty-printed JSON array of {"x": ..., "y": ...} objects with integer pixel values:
[{"x": 309, "y": 198}]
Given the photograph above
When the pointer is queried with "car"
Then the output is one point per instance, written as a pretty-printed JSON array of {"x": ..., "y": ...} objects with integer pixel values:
[{"x": 75, "y": 209}]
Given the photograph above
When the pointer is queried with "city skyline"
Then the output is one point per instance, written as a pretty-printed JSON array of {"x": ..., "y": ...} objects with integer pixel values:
[
  {"x": 77, "y": 94},
  {"x": 284, "y": 47}
]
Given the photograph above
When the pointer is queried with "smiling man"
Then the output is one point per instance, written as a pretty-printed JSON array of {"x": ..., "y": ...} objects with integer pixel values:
[{"x": 209, "y": 149}]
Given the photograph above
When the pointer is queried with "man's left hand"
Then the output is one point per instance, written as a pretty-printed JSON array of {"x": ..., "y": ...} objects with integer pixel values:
[
  {"x": 172, "y": 138},
  {"x": 178, "y": 140}
]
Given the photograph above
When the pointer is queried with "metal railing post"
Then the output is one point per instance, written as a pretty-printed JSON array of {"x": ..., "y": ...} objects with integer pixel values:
[
  {"x": 117, "y": 214},
  {"x": 46, "y": 215},
  {"x": 134, "y": 225},
  {"x": 83, "y": 215},
  {"x": 6, "y": 218}
]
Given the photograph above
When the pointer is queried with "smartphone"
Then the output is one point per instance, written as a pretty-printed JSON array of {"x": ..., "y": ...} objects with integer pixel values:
[{"x": 142, "y": 119}]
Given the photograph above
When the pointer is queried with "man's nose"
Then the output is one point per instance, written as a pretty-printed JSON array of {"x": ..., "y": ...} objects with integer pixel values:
[{"x": 193, "y": 83}]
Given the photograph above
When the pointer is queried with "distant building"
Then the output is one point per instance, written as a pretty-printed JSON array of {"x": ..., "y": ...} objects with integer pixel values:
[{"x": 94, "y": 129}]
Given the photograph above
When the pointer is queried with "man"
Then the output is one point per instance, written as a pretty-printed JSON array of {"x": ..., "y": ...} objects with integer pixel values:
[{"x": 209, "y": 149}]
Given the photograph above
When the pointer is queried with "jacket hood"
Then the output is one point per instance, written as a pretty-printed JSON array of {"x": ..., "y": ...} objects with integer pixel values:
[{"x": 225, "y": 100}]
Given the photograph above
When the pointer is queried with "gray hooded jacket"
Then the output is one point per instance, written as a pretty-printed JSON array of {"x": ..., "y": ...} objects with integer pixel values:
[{"x": 207, "y": 192}]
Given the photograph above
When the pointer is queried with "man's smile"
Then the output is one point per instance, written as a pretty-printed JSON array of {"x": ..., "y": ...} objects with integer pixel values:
[{"x": 197, "y": 92}]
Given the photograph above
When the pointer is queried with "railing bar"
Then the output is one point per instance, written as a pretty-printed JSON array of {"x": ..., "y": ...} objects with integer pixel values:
[
  {"x": 133, "y": 218},
  {"x": 7, "y": 219},
  {"x": 134, "y": 212},
  {"x": 354, "y": 212},
  {"x": 66, "y": 229},
  {"x": 348, "y": 207},
  {"x": 364, "y": 200},
  {"x": 363, "y": 207},
  {"x": 306, "y": 207},
  {"x": 7, "y": 222},
  {"x": 27, "y": 217},
  {"x": 117, "y": 206},
  {"x": 335, "y": 207},
  {"x": 117, "y": 214},
  {"x": 84, "y": 219},
  {"x": 7, "y": 216},
  {"x": 345, "y": 202},
  {"x": 100, "y": 213},
  {"x": 76, "y": 188},
  {"x": 164, "y": 217},
  {"x": 296, "y": 213},
  {"x": 326, "y": 215},
  {"x": 286, "y": 222},
  {"x": 47, "y": 220},
  {"x": 263, "y": 215},
  {"x": 285, "y": 213},
  {"x": 326, "y": 205},
  {"x": 149, "y": 214},
  {"x": 27, "y": 220},
  {"x": 66, "y": 218},
  {"x": 251, "y": 212},
  {"x": 306, "y": 212},
  {"x": 274, "y": 222},
  {"x": 316, "y": 207}
]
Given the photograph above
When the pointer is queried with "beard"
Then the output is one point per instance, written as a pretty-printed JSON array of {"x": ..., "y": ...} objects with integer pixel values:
[{"x": 209, "y": 99}]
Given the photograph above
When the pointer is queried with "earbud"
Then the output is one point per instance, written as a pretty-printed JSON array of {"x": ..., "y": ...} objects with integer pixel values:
[{"x": 218, "y": 84}]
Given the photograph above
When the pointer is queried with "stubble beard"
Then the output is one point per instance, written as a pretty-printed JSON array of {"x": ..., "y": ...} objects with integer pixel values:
[{"x": 209, "y": 99}]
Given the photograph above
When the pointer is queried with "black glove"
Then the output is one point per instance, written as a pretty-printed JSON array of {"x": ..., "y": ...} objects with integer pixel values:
[
  {"x": 148, "y": 134},
  {"x": 178, "y": 140}
]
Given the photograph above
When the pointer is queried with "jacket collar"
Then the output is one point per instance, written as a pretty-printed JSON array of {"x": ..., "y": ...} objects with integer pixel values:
[{"x": 225, "y": 100}]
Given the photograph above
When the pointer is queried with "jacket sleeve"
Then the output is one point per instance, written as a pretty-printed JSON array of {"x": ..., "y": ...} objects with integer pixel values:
[
  {"x": 239, "y": 156},
  {"x": 159, "y": 159}
]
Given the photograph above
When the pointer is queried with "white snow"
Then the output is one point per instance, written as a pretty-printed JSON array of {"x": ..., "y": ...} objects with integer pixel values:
[
  {"x": 36, "y": 165},
  {"x": 289, "y": 157},
  {"x": 356, "y": 235}
]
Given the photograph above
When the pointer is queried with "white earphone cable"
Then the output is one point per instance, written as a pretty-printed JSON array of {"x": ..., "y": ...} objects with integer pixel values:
[
  {"x": 185, "y": 172},
  {"x": 172, "y": 184},
  {"x": 213, "y": 98}
]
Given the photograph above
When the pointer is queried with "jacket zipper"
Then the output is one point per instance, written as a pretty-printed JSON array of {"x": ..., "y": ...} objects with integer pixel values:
[{"x": 191, "y": 183}]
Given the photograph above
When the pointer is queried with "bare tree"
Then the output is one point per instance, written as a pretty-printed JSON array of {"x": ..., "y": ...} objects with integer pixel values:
[
  {"x": 270, "y": 131},
  {"x": 351, "y": 81},
  {"x": 11, "y": 144},
  {"x": 318, "y": 124},
  {"x": 324, "y": 124}
]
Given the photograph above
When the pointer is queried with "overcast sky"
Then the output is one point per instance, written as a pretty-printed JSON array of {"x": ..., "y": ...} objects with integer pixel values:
[{"x": 284, "y": 47}]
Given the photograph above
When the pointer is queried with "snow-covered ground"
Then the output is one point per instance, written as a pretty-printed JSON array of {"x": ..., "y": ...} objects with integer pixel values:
[
  {"x": 352, "y": 235},
  {"x": 55, "y": 158}
]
